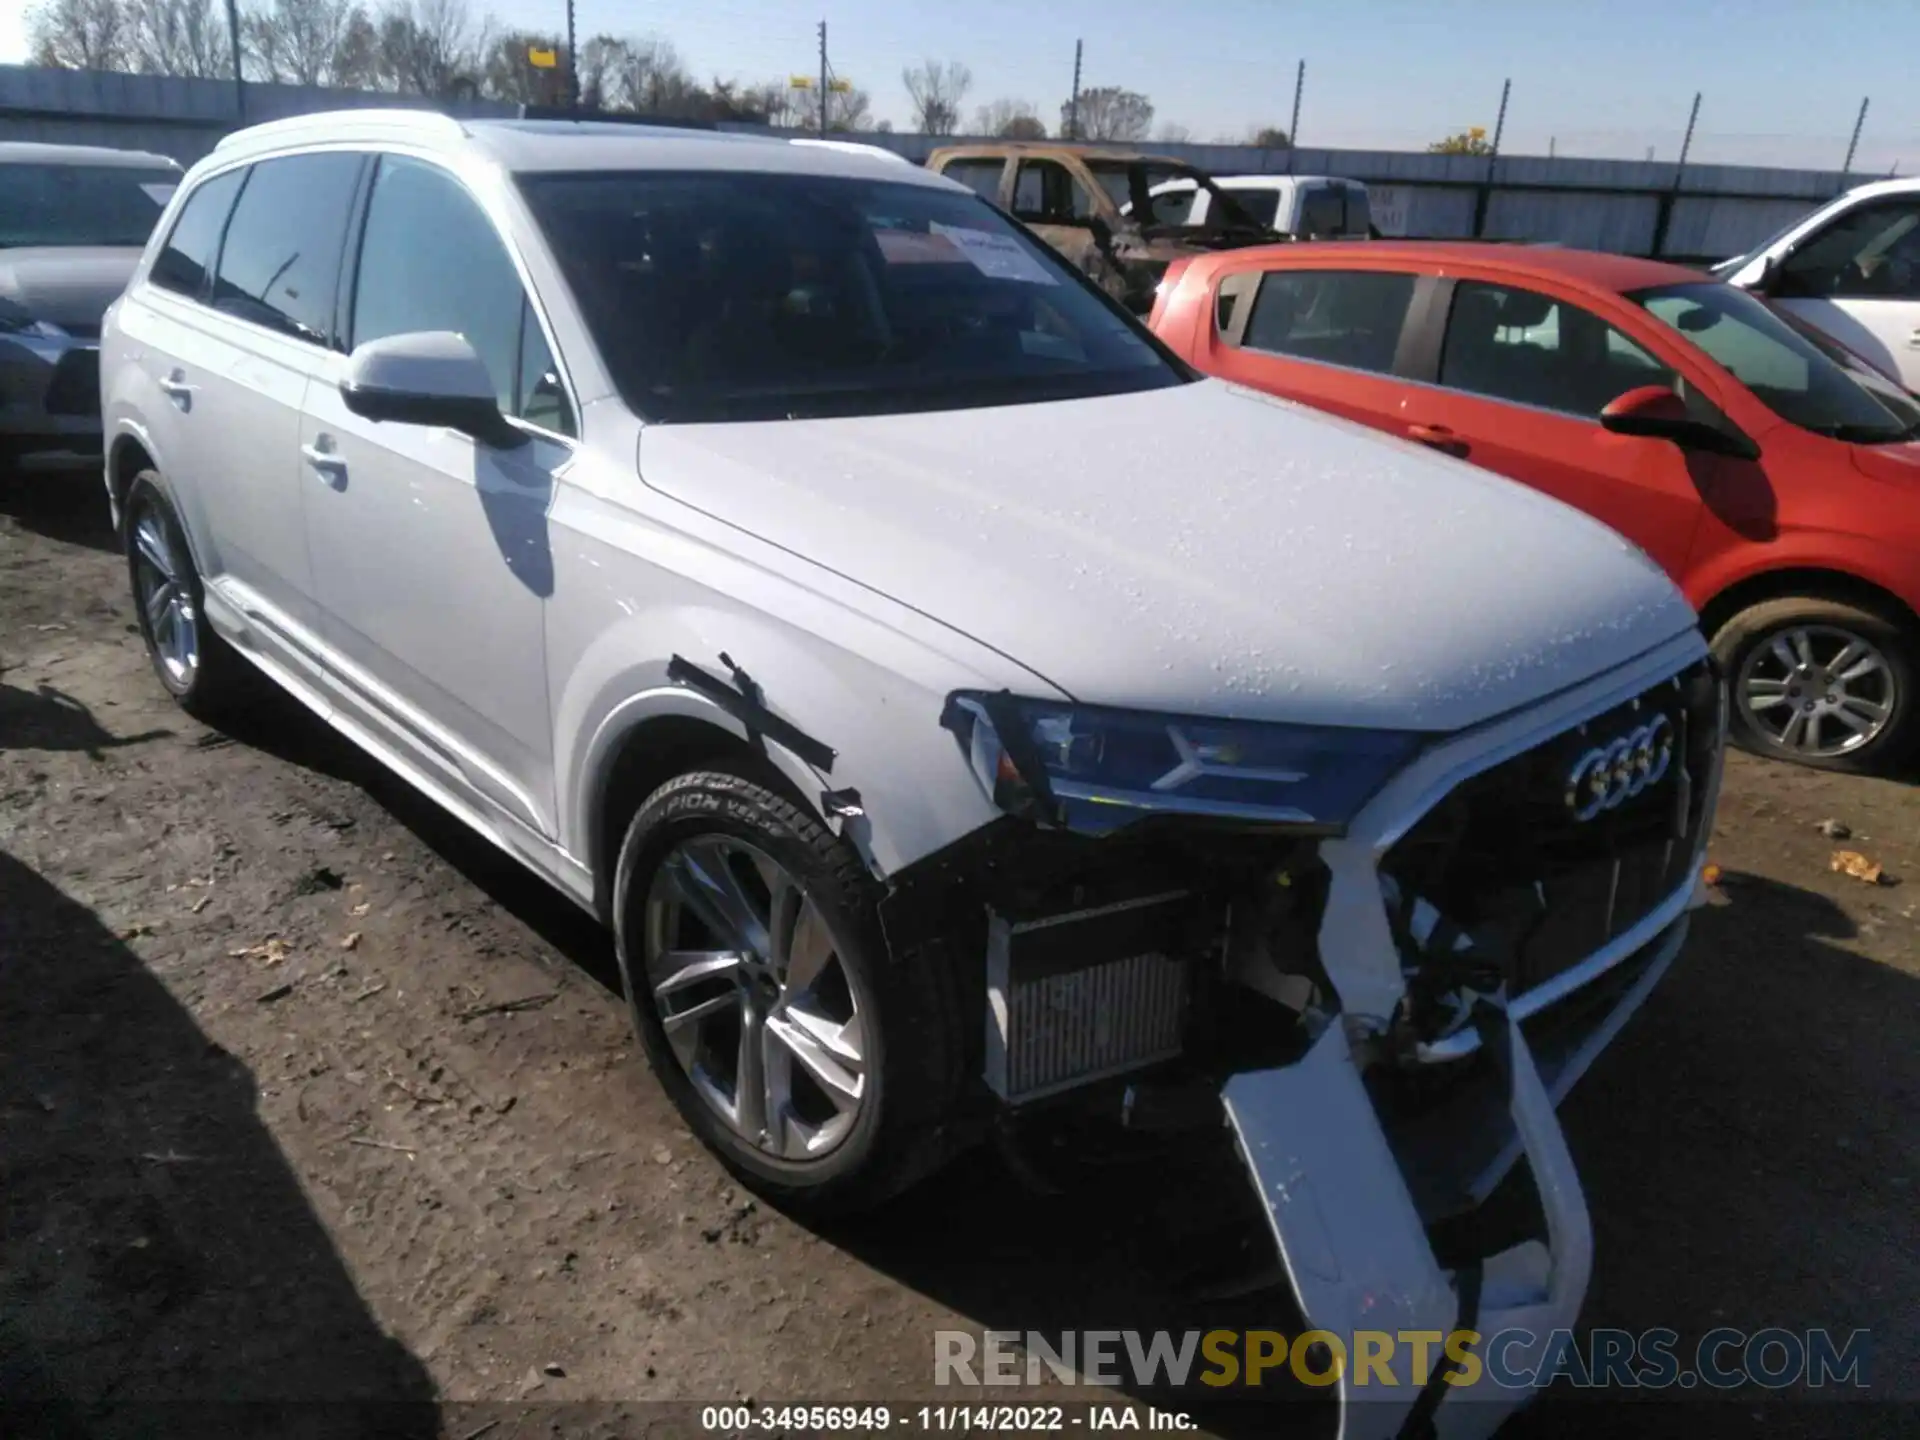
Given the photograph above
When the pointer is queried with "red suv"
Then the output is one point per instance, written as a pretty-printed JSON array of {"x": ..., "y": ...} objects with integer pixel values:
[{"x": 1773, "y": 473}]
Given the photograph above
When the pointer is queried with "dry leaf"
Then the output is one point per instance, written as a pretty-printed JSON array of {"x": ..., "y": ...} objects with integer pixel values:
[
  {"x": 201, "y": 904},
  {"x": 1710, "y": 875},
  {"x": 350, "y": 940},
  {"x": 1852, "y": 862},
  {"x": 362, "y": 908},
  {"x": 270, "y": 951}
]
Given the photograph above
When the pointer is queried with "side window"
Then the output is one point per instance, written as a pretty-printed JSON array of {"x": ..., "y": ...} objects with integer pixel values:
[
  {"x": 1174, "y": 206},
  {"x": 1323, "y": 210},
  {"x": 1046, "y": 192},
  {"x": 1872, "y": 253},
  {"x": 1534, "y": 349},
  {"x": 1337, "y": 317},
  {"x": 281, "y": 259},
  {"x": 430, "y": 259},
  {"x": 185, "y": 264},
  {"x": 981, "y": 176}
]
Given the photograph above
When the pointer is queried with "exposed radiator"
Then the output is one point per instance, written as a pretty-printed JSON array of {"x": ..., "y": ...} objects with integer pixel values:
[{"x": 1090, "y": 993}]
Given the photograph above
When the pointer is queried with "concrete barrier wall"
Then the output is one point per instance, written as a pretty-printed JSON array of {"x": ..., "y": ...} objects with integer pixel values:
[{"x": 1705, "y": 212}]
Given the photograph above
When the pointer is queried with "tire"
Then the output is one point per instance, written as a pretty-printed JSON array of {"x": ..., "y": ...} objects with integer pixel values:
[
  {"x": 901, "y": 1129},
  {"x": 1753, "y": 648},
  {"x": 218, "y": 680}
]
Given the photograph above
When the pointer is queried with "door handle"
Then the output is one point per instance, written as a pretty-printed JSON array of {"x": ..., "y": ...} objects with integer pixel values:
[
  {"x": 327, "y": 462},
  {"x": 1438, "y": 437},
  {"x": 1913, "y": 339},
  {"x": 176, "y": 388}
]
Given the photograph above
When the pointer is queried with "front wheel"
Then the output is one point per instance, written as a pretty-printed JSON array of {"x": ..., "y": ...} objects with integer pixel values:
[
  {"x": 812, "y": 1063},
  {"x": 1823, "y": 682}
]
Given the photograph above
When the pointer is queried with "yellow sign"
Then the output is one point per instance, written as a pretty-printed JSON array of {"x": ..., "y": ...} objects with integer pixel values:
[
  {"x": 542, "y": 59},
  {"x": 840, "y": 87},
  {"x": 800, "y": 82}
]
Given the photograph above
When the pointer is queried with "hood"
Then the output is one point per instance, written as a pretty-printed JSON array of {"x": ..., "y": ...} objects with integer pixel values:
[
  {"x": 1198, "y": 549},
  {"x": 70, "y": 285}
]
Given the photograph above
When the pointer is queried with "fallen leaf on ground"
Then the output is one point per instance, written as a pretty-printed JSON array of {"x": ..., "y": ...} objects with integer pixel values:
[
  {"x": 1835, "y": 829},
  {"x": 350, "y": 940},
  {"x": 201, "y": 904},
  {"x": 1710, "y": 874},
  {"x": 1852, "y": 862},
  {"x": 270, "y": 951},
  {"x": 362, "y": 908}
]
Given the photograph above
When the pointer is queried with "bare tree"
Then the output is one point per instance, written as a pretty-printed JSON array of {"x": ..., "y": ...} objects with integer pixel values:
[
  {"x": 1009, "y": 120},
  {"x": 1271, "y": 137},
  {"x": 177, "y": 37},
  {"x": 1171, "y": 134},
  {"x": 1109, "y": 113},
  {"x": 309, "y": 42},
  {"x": 79, "y": 35},
  {"x": 936, "y": 91},
  {"x": 648, "y": 76},
  {"x": 846, "y": 110},
  {"x": 595, "y": 71},
  {"x": 429, "y": 47}
]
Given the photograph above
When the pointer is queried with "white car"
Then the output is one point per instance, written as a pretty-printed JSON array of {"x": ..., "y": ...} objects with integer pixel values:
[
  {"x": 1851, "y": 268},
  {"x": 73, "y": 220},
  {"x": 950, "y": 700},
  {"x": 1322, "y": 207}
]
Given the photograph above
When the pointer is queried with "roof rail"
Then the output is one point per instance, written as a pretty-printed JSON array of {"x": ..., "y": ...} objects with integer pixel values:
[
  {"x": 351, "y": 118},
  {"x": 612, "y": 117}
]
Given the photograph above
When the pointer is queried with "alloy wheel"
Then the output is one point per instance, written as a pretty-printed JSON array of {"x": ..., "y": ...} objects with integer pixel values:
[
  {"x": 759, "y": 1006},
  {"x": 1817, "y": 690},
  {"x": 165, "y": 599}
]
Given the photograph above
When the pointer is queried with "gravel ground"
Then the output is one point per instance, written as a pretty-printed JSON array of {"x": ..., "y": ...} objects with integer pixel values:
[{"x": 308, "y": 1096}]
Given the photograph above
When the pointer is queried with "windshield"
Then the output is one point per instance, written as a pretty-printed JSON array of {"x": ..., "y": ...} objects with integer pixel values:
[
  {"x": 746, "y": 296},
  {"x": 1792, "y": 377},
  {"x": 81, "y": 204}
]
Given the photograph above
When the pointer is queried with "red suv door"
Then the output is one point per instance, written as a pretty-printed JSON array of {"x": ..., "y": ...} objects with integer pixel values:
[
  {"x": 1523, "y": 376},
  {"x": 1324, "y": 337}
]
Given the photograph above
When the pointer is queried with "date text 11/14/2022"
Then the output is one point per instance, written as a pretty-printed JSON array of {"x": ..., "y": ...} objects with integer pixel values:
[{"x": 963, "y": 1419}]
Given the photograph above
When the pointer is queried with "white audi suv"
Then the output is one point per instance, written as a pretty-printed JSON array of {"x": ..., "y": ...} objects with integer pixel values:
[{"x": 955, "y": 706}]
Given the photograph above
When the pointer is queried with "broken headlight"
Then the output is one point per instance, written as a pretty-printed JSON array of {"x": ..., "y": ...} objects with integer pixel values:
[{"x": 1091, "y": 768}]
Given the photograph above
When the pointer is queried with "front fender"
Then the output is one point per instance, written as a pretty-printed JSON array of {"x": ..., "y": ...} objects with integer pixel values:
[
  {"x": 880, "y": 719},
  {"x": 1829, "y": 550}
]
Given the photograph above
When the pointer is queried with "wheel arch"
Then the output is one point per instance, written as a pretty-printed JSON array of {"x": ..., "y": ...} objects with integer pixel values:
[
  {"x": 1812, "y": 581},
  {"x": 127, "y": 456},
  {"x": 643, "y": 756}
]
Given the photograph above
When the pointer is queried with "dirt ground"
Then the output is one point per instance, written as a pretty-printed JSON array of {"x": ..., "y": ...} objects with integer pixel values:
[{"x": 308, "y": 1096}]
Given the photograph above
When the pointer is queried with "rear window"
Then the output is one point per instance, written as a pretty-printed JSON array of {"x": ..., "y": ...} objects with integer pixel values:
[
  {"x": 68, "y": 205},
  {"x": 1337, "y": 317},
  {"x": 736, "y": 296}
]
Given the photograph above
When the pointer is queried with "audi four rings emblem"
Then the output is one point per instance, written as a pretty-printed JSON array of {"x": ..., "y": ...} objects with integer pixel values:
[{"x": 1609, "y": 775}]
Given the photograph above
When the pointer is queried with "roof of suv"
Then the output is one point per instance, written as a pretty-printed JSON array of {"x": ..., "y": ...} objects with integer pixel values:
[
  {"x": 25, "y": 152},
  {"x": 572, "y": 145}
]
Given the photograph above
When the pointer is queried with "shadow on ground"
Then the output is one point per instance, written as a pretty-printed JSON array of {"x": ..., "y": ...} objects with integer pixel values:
[
  {"x": 67, "y": 503},
  {"x": 161, "y": 1273}
]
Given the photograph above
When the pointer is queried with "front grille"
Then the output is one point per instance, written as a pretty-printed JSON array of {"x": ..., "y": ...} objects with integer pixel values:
[
  {"x": 74, "y": 388},
  {"x": 1509, "y": 879}
]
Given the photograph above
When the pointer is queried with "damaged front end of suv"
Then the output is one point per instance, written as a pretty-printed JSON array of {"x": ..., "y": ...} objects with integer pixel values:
[{"x": 1381, "y": 958}]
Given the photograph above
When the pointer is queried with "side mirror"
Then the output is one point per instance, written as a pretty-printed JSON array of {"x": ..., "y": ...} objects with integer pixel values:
[
  {"x": 431, "y": 377},
  {"x": 1658, "y": 413}
]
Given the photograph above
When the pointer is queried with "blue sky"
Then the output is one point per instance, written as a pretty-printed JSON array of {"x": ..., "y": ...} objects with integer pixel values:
[{"x": 1782, "y": 78}]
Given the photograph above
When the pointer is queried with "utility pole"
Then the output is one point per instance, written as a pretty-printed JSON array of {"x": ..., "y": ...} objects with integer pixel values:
[
  {"x": 1499, "y": 124},
  {"x": 823, "y": 77},
  {"x": 1854, "y": 144},
  {"x": 1293, "y": 125},
  {"x": 1073, "y": 104},
  {"x": 1693, "y": 118},
  {"x": 233, "y": 39},
  {"x": 573, "y": 63}
]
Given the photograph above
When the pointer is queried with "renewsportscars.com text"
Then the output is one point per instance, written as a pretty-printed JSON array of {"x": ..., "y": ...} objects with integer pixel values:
[{"x": 1721, "y": 1359}]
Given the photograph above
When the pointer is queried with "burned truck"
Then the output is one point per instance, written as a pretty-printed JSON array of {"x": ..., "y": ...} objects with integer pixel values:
[{"x": 1120, "y": 218}]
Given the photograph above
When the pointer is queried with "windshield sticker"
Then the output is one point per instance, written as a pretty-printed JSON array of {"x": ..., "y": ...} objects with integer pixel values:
[
  {"x": 160, "y": 194},
  {"x": 917, "y": 247},
  {"x": 1000, "y": 256}
]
